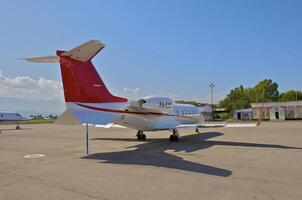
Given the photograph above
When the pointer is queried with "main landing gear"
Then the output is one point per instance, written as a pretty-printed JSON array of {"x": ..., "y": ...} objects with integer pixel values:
[
  {"x": 175, "y": 136},
  {"x": 140, "y": 135}
]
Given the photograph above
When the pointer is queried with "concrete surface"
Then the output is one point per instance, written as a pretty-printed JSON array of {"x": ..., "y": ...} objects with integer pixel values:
[{"x": 221, "y": 163}]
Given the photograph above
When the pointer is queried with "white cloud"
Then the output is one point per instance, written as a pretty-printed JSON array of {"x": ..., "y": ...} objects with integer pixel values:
[
  {"x": 24, "y": 87},
  {"x": 131, "y": 92}
]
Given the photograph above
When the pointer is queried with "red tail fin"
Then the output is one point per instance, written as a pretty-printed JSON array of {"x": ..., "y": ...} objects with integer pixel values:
[{"x": 81, "y": 81}]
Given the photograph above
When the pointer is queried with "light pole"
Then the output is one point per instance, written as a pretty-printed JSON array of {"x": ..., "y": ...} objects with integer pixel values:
[
  {"x": 87, "y": 139},
  {"x": 212, "y": 85}
]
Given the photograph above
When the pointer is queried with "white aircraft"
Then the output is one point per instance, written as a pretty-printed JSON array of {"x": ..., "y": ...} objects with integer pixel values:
[
  {"x": 11, "y": 118},
  {"x": 89, "y": 100}
]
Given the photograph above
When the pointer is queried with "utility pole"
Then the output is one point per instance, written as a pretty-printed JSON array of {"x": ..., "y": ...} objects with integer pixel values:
[
  {"x": 211, "y": 85},
  {"x": 87, "y": 139}
]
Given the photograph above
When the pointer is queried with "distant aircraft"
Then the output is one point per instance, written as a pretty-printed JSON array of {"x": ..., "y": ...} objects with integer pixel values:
[
  {"x": 89, "y": 100},
  {"x": 11, "y": 118}
]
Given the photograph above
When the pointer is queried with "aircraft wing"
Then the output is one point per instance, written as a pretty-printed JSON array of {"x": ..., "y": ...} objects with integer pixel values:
[{"x": 219, "y": 125}]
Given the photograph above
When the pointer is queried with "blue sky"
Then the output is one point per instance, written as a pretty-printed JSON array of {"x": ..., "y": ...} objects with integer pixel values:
[{"x": 170, "y": 47}]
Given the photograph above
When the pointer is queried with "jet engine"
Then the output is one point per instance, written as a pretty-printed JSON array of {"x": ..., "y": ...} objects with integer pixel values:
[{"x": 155, "y": 104}]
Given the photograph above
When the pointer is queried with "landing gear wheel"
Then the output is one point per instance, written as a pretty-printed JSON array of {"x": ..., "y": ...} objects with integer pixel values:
[
  {"x": 140, "y": 135},
  {"x": 174, "y": 138},
  {"x": 143, "y": 137},
  {"x": 171, "y": 138}
]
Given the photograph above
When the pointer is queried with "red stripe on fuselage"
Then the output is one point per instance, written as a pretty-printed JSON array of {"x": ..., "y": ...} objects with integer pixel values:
[{"x": 128, "y": 112}]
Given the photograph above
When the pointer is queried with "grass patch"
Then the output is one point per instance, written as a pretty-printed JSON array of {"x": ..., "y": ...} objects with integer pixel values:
[{"x": 39, "y": 121}]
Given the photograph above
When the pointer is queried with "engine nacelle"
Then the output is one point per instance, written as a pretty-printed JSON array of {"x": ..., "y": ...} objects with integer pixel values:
[{"x": 156, "y": 104}]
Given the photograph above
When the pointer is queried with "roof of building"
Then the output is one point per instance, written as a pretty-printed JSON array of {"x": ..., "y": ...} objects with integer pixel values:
[
  {"x": 220, "y": 110},
  {"x": 244, "y": 110},
  {"x": 276, "y": 104},
  {"x": 206, "y": 108}
]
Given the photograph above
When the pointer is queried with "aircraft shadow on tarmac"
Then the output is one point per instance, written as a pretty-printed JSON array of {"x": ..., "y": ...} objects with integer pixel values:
[{"x": 153, "y": 153}]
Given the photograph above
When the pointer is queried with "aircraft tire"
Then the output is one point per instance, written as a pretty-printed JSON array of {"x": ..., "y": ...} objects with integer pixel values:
[
  {"x": 143, "y": 137},
  {"x": 173, "y": 138},
  {"x": 140, "y": 135}
]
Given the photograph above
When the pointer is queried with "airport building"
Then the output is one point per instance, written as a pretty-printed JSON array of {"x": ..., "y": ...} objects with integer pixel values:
[
  {"x": 277, "y": 110},
  {"x": 243, "y": 114},
  {"x": 206, "y": 112}
]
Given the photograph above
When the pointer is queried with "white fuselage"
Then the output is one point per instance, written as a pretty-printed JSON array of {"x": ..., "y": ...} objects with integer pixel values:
[{"x": 122, "y": 114}]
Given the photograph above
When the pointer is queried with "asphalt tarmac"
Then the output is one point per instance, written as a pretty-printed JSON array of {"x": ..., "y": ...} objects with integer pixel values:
[{"x": 49, "y": 162}]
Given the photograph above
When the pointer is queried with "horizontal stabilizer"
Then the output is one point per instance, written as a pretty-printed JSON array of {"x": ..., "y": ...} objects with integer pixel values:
[
  {"x": 86, "y": 51},
  {"x": 46, "y": 59}
]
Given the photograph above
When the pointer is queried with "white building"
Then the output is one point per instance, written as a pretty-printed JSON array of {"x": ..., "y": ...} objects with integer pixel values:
[
  {"x": 243, "y": 114},
  {"x": 206, "y": 112},
  {"x": 277, "y": 110}
]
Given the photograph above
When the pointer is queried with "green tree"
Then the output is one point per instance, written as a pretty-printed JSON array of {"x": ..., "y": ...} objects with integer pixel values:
[
  {"x": 240, "y": 97},
  {"x": 291, "y": 95},
  {"x": 266, "y": 91},
  {"x": 237, "y": 99}
]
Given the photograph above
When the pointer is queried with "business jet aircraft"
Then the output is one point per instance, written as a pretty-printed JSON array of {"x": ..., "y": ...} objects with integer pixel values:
[
  {"x": 88, "y": 98},
  {"x": 11, "y": 118}
]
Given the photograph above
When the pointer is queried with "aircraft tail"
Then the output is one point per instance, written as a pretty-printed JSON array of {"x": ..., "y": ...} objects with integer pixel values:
[
  {"x": 83, "y": 85},
  {"x": 81, "y": 81}
]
